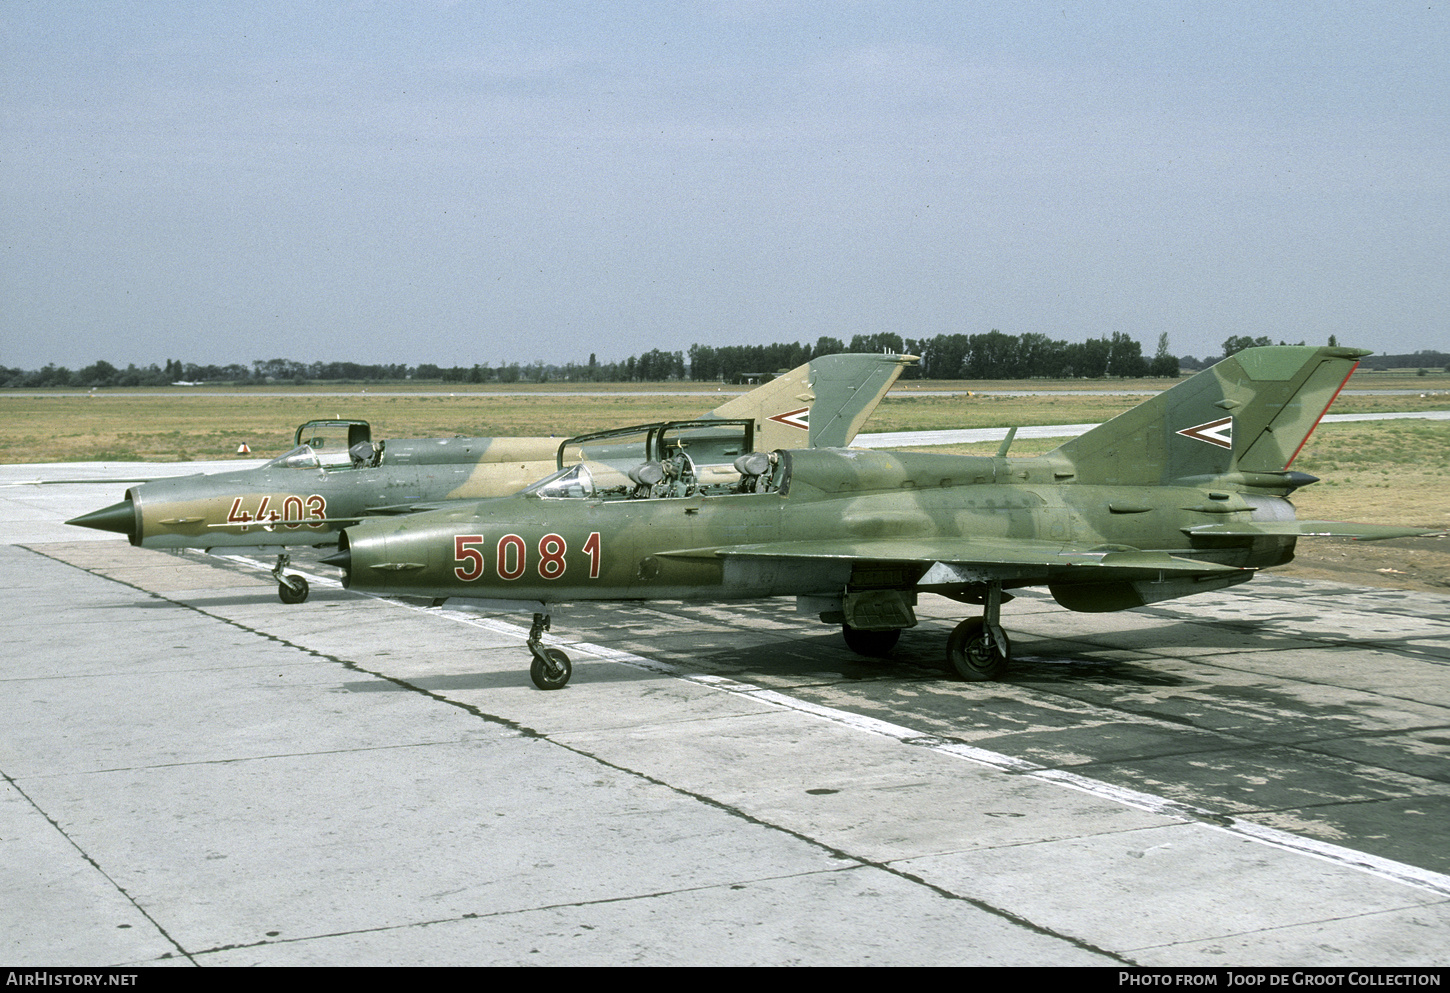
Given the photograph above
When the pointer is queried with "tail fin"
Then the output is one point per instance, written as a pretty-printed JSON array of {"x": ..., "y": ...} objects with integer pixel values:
[
  {"x": 821, "y": 404},
  {"x": 1252, "y": 412}
]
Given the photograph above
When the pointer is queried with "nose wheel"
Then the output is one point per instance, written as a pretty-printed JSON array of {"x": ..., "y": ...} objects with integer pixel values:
[
  {"x": 551, "y": 668},
  {"x": 290, "y": 589}
]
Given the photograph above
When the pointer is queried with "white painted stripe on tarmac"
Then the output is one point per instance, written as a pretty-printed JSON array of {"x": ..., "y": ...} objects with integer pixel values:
[{"x": 1409, "y": 875}]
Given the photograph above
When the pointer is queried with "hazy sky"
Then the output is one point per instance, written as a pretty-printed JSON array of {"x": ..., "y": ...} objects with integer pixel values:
[{"x": 462, "y": 182}]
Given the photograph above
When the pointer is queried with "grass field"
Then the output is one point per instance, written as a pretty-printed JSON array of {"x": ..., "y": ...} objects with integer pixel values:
[
  {"x": 180, "y": 424},
  {"x": 1393, "y": 471},
  {"x": 176, "y": 426}
]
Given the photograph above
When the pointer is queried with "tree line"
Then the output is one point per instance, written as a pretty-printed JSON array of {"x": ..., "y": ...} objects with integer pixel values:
[{"x": 992, "y": 355}]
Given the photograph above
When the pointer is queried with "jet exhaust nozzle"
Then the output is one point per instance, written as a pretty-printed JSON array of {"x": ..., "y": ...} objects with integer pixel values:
[{"x": 118, "y": 517}]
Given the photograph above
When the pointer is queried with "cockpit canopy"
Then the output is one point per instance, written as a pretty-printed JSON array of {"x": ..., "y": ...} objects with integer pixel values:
[
  {"x": 307, "y": 457},
  {"x": 710, "y": 441},
  {"x": 327, "y": 435},
  {"x": 301, "y": 457},
  {"x": 584, "y": 481},
  {"x": 675, "y": 476}
]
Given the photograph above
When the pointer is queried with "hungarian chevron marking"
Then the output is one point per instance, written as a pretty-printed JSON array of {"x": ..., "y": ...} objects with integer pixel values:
[
  {"x": 1219, "y": 433},
  {"x": 795, "y": 418}
]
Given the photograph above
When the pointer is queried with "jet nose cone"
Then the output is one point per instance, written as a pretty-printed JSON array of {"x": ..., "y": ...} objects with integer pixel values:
[
  {"x": 342, "y": 558},
  {"x": 118, "y": 517}
]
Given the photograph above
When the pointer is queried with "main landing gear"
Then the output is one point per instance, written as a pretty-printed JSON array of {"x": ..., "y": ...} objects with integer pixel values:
[
  {"x": 290, "y": 589},
  {"x": 551, "y": 669},
  {"x": 978, "y": 649}
]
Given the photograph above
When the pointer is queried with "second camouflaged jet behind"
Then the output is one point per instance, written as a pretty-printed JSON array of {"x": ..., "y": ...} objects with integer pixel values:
[
  {"x": 1184, "y": 493},
  {"x": 305, "y": 497}
]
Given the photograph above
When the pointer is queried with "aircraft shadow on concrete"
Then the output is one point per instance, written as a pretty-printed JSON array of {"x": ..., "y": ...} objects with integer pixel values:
[
  {"x": 1035, "y": 662},
  {"x": 770, "y": 641},
  {"x": 815, "y": 656}
]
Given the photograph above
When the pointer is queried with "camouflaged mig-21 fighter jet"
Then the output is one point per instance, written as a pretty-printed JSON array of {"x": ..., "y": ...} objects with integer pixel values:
[
  {"x": 338, "y": 475},
  {"x": 1184, "y": 493}
]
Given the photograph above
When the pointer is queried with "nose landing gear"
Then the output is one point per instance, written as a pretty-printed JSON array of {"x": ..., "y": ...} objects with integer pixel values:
[
  {"x": 290, "y": 589},
  {"x": 551, "y": 668}
]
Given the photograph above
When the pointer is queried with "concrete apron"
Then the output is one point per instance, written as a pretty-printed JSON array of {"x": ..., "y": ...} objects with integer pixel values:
[{"x": 195, "y": 773}]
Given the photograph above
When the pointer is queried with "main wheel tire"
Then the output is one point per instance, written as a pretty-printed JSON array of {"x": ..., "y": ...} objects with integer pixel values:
[
  {"x": 974, "y": 653},
  {"x": 551, "y": 675},
  {"x": 293, "y": 589},
  {"x": 875, "y": 644}
]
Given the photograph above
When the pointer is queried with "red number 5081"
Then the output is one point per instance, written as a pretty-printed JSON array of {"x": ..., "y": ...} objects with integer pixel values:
[{"x": 511, "y": 555}]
